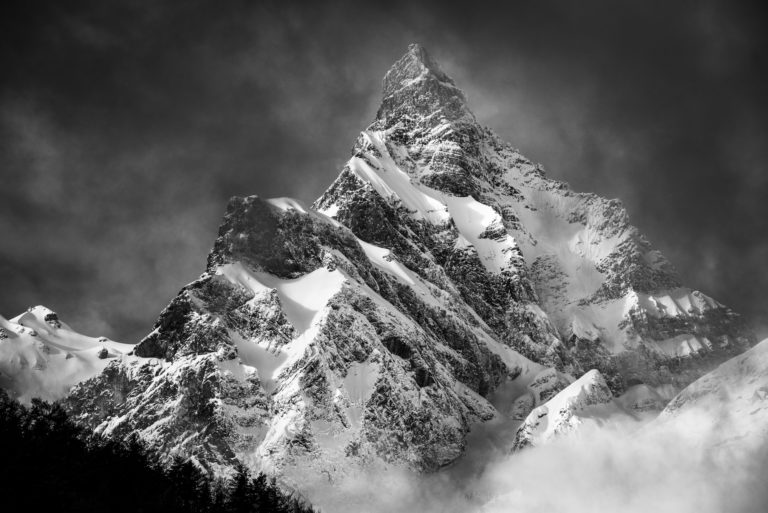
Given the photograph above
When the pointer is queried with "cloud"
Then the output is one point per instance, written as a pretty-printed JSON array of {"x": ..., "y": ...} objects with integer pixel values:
[
  {"x": 668, "y": 469},
  {"x": 674, "y": 467}
]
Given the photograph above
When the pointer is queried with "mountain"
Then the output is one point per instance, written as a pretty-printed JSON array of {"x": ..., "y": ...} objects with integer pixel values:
[
  {"x": 587, "y": 401},
  {"x": 731, "y": 402},
  {"x": 706, "y": 452},
  {"x": 570, "y": 263},
  {"x": 728, "y": 406},
  {"x": 42, "y": 356},
  {"x": 441, "y": 281},
  {"x": 564, "y": 412}
]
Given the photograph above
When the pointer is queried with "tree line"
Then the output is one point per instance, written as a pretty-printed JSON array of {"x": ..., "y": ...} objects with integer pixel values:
[{"x": 49, "y": 463}]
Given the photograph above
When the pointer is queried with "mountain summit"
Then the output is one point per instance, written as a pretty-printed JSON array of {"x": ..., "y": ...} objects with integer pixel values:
[
  {"x": 416, "y": 88},
  {"x": 415, "y": 65},
  {"x": 441, "y": 281}
]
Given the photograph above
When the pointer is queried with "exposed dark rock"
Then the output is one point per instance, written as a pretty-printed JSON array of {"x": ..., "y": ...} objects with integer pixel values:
[{"x": 397, "y": 362}]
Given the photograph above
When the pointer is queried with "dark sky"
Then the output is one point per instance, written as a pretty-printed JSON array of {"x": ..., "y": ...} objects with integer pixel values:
[{"x": 126, "y": 126}]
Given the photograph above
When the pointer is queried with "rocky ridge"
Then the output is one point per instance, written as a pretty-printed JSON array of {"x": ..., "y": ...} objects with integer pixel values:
[
  {"x": 611, "y": 300},
  {"x": 565, "y": 412},
  {"x": 440, "y": 281}
]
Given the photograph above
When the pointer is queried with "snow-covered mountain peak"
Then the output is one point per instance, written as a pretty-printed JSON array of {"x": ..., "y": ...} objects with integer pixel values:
[
  {"x": 416, "y": 88},
  {"x": 42, "y": 356},
  {"x": 416, "y": 64},
  {"x": 616, "y": 302},
  {"x": 441, "y": 281}
]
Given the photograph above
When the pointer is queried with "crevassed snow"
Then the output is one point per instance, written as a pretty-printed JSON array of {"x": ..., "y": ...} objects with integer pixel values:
[{"x": 605, "y": 319}]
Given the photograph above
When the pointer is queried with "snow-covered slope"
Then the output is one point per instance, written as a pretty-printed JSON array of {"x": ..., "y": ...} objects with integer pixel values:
[
  {"x": 303, "y": 347},
  {"x": 41, "y": 356},
  {"x": 730, "y": 402},
  {"x": 706, "y": 452},
  {"x": 441, "y": 281},
  {"x": 615, "y": 302},
  {"x": 722, "y": 414},
  {"x": 588, "y": 401}
]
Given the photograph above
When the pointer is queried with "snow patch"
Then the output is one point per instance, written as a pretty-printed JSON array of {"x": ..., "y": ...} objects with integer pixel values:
[
  {"x": 473, "y": 219},
  {"x": 359, "y": 387},
  {"x": 301, "y": 298},
  {"x": 46, "y": 358},
  {"x": 287, "y": 204}
]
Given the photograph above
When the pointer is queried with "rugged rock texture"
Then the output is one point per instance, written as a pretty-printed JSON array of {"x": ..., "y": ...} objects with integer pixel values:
[
  {"x": 299, "y": 341},
  {"x": 425, "y": 165},
  {"x": 442, "y": 279},
  {"x": 565, "y": 411}
]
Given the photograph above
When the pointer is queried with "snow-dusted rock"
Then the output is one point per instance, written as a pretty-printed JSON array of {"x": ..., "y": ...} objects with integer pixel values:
[
  {"x": 318, "y": 348},
  {"x": 565, "y": 411},
  {"x": 440, "y": 281},
  {"x": 561, "y": 276}
]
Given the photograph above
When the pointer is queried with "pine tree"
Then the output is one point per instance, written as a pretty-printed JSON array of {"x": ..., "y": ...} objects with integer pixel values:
[
  {"x": 242, "y": 497},
  {"x": 56, "y": 466}
]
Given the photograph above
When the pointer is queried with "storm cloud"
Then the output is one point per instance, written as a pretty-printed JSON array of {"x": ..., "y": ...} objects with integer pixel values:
[{"x": 125, "y": 127}]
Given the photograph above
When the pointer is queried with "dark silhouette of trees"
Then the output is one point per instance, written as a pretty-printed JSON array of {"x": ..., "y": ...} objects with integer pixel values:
[{"x": 48, "y": 463}]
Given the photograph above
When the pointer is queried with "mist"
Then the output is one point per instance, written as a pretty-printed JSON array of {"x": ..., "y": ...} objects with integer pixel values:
[{"x": 686, "y": 464}]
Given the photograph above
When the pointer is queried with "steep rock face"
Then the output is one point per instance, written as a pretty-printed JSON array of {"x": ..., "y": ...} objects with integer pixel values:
[
  {"x": 302, "y": 343},
  {"x": 587, "y": 401},
  {"x": 553, "y": 264},
  {"x": 442, "y": 279}
]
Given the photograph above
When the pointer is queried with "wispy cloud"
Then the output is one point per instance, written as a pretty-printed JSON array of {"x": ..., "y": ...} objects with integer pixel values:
[{"x": 674, "y": 467}]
